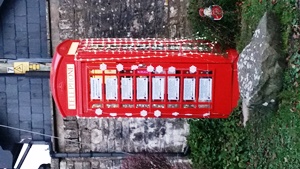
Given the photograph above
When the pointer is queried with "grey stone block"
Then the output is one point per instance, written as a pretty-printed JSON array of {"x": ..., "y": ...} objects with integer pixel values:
[
  {"x": 70, "y": 124},
  {"x": 2, "y": 84},
  {"x": 43, "y": 23},
  {"x": 9, "y": 49},
  {"x": 71, "y": 134},
  {"x": 46, "y": 87},
  {"x": 34, "y": 27},
  {"x": 34, "y": 31},
  {"x": 42, "y": 7},
  {"x": 35, "y": 55},
  {"x": 33, "y": 15},
  {"x": 36, "y": 94},
  {"x": 26, "y": 125},
  {"x": 12, "y": 106},
  {"x": 48, "y": 131},
  {"x": 11, "y": 80},
  {"x": 37, "y": 81},
  {"x": 9, "y": 56},
  {"x": 9, "y": 16},
  {"x": 38, "y": 136},
  {"x": 13, "y": 119},
  {"x": 37, "y": 121},
  {"x": 21, "y": 23},
  {"x": 46, "y": 95},
  {"x": 23, "y": 84},
  {"x": 25, "y": 113},
  {"x": 3, "y": 103},
  {"x": 24, "y": 98},
  {"x": 9, "y": 31},
  {"x": 3, "y": 118},
  {"x": 21, "y": 38},
  {"x": 32, "y": 3},
  {"x": 12, "y": 91},
  {"x": 44, "y": 48},
  {"x": 37, "y": 101},
  {"x": 38, "y": 109},
  {"x": 46, "y": 101},
  {"x": 20, "y": 8},
  {"x": 34, "y": 46},
  {"x": 47, "y": 114},
  {"x": 22, "y": 52},
  {"x": 1, "y": 50}
]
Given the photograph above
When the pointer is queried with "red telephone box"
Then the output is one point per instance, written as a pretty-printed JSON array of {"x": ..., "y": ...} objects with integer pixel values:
[{"x": 144, "y": 78}]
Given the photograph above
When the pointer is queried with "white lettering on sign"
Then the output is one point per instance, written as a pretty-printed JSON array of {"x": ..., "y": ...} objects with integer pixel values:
[
  {"x": 205, "y": 89},
  {"x": 142, "y": 88},
  {"x": 189, "y": 89},
  {"x": 73, "y": 48},
  {"x": 96, "y": 88},
  {"x": 158, "y": 88},
  {"x": 111, "y": 88},
  {"x": 126, "y": 88},
  {"x": 10, "y": 70},
  {"x": 173, "y": 88},
  {"x": 71, "y": 86}
]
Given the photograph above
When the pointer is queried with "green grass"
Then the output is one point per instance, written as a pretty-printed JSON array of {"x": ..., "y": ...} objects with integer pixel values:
[{"x": 271, "y": 139}]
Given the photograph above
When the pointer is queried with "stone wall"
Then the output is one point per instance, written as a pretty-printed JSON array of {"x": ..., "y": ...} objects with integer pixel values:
[
  {"x": 74, "y": 19},
  {"x": 125, "y": 135}
]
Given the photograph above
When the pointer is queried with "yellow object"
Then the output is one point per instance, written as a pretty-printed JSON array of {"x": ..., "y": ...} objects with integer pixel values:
[{"x": 21, "y": 67}]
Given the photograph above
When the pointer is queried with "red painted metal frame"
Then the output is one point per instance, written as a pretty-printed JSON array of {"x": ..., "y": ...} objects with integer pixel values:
[{"x": 93, "y": 52}]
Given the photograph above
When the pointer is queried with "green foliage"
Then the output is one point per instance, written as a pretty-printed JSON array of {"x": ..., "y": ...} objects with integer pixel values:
[
  {"x": 224, "y": 31},
  {"x": 218, "y": 143},
  {"x": 270, "y": 140},
  {"x": 253, "y": 10}
]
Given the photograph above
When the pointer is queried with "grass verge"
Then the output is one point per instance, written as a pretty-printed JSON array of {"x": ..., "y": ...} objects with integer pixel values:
[{"x": 272, "y": 139}]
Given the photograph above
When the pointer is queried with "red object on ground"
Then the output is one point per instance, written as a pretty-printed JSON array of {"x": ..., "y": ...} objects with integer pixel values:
[
  {"x": 214, "y": 12},
  {"x": 144, "y": 78}
]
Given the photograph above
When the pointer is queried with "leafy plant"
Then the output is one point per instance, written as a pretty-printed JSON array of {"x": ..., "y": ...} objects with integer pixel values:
[
  {"x": 218, "y": 143},
  {"x": 224, "y": 30}
]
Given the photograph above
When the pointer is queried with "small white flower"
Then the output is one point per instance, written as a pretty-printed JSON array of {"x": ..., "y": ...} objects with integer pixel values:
[
  {"x": 113, "y": 114},
  {"x": 157, "y": 113},
  {"x": 193, "y": 69},
  {"x": 103, "y": 66},
  {"x": 265, "y": 104},
  {"x": 98, "y": 112},
  {"x": 206, "y": 114},
  {"x": 134, "y": 67},
  {"x": 159, "y": 69},
  {"x": 272, "y": 101},
  {"x": 171, "y": 69},
  {"x": 128, "y": 114},
  {"x": 150, "y": 68},
  {"x": 120, "y": 67},
  {"x": 175, "y": 114},
  {"x": 144, "y": 113}
]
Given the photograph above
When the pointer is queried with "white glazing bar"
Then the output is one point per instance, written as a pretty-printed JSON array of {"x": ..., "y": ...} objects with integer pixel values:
[
  {"x": 96, "y": 88},
  {"x": 158, "y": 88},
  {"x": 189, "y": 89},
  {"x": 205, "y": 89},
  {"x": 142, "y": 88},
  {"x": 173, "y": 88},
  {"x": 111, "y": 88},
  {"x": 126, "y": 88}
]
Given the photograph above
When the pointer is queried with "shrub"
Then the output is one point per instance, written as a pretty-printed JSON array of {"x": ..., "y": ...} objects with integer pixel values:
[
  {"x": 218, "y": 143},
  {"x": 225, "y": 30}
]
